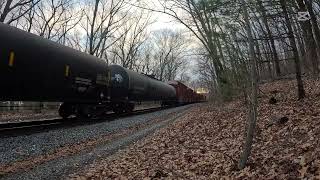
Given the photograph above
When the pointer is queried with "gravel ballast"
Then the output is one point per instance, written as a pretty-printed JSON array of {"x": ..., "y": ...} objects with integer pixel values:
[{"x": 14, "y": 150}]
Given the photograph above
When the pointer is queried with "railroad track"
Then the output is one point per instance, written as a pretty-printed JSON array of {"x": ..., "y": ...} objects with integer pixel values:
[
  {"x": 57, "y": 153},
  {"x": 36, "y": 126}
]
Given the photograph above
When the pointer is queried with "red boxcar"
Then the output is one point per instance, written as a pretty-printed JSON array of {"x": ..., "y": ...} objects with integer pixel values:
[{"x": 184, "y": 93}]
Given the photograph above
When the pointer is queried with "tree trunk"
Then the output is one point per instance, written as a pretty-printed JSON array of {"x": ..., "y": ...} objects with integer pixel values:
[
  {"x": 315, "y": 26},
  {"x": 92, "y": 28},
  {"x": 301, "y": 92},
  {"x": 300, "y": 42},
  {"x": 253, "y": 100},
  {"x": 270, "y": 38},
  {"x": 310, "y": 43},
  {"x": 6, "y": 10}
]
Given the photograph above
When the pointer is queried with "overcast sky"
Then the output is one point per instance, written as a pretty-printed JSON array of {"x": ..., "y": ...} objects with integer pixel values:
[{"x": 162, "y": 20}]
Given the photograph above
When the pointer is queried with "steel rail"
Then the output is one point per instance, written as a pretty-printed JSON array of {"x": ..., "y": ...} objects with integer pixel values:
[{"x": 31, "y": 127}]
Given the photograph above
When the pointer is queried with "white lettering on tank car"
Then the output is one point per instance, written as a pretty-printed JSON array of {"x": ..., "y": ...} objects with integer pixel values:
[{"x": 118, "y": 78}]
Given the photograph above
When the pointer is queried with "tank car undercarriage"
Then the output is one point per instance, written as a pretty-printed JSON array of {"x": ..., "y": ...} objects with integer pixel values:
[{"x": 94, "y": 110}]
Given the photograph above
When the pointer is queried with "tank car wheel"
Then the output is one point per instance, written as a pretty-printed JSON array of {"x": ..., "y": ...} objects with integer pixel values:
[
  {"x": 65, "y": 110},
  {"x": 164, "y": 103},
  {"x": 118, "y": 108},
  {"x": 84, "y": 111},
  {"x": 129, "y": 107},
  {"x": 118, "y": 111}
]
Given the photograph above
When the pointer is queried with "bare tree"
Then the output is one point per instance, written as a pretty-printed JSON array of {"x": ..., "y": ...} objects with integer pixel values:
[
  {"x": 253, "y": 99},
  {"x": 145, "y": 62},
  {"x": 102, "y": 19},
  {"x": 315, "y": 26},
  {"x": 75, "y": 40},
  {"x": 269, "y": 33},
  {"x": 309, "y": 40},
  {"x": 52, "y": 19},
  {"x": 207, "y": 72},
  {"x": 301, "y": 92},
  {"x": 11, "y": 10},
  {"x": 170, "y": 50},
  {"x": 196, "y": 16},
  {"x": 131, "y": 35}
]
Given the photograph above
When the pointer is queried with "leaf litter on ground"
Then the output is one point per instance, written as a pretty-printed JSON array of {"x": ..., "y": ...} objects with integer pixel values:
[{"x": 207, "y": 141}]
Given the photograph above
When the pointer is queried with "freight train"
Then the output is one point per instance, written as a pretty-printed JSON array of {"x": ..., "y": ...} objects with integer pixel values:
[{"x": 36, "y": 69}]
